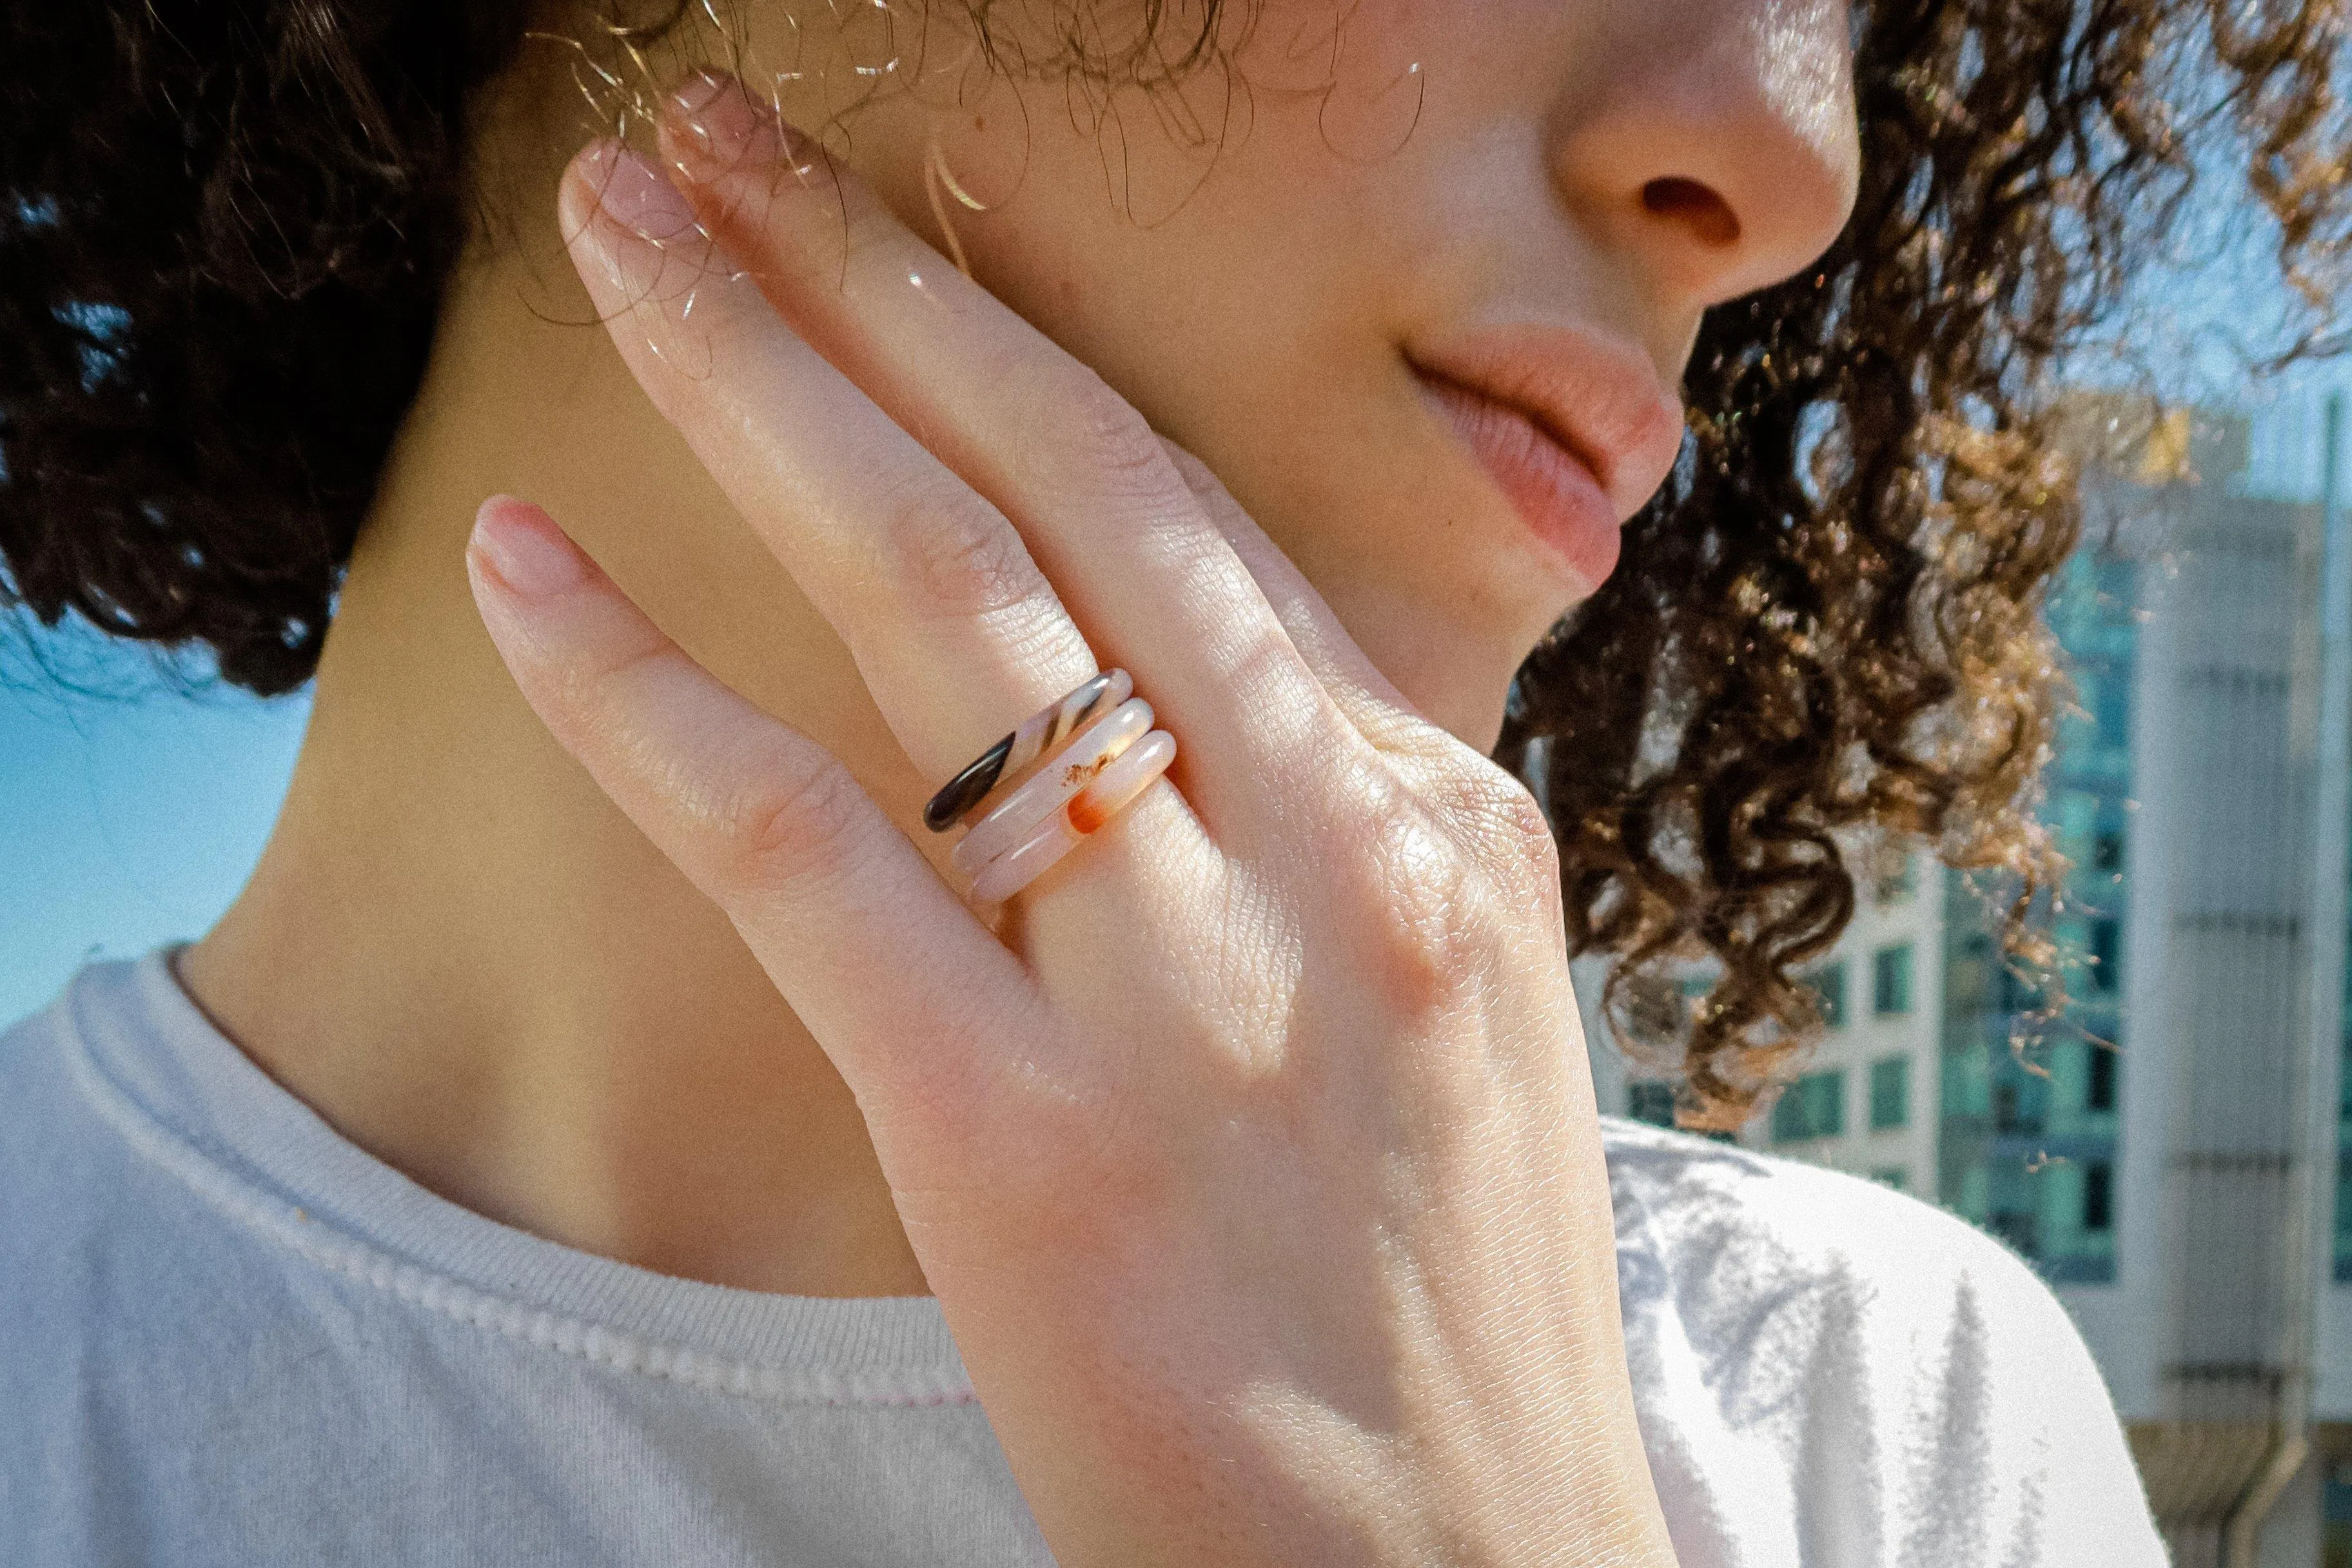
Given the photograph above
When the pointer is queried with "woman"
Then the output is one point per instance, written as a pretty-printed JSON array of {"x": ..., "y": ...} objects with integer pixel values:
[{"x": 584, "y": 1135}]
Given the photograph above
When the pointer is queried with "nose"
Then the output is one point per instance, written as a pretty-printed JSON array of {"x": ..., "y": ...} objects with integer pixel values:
[{"x": 1713, "y": 142}]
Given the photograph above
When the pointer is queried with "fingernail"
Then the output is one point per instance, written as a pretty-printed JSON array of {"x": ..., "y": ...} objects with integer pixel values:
[
  {"x": 524, "y": 549},
  {"x": 719, "y": 129},
  {"x": 632, "y": 193},
  {"x": 693, "y": 95}
]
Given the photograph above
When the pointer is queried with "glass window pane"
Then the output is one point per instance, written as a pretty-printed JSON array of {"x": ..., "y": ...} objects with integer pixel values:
[
  {"x": 2100, "y": 1093},
  {"x": 1828, "y": 1109},
  {"x": 1789, "y": 1116},
  {"x": 1812, "y": 1107},
  {"x": 1890, "y": 1092},
  {"x": 1829, "y": 993},
  {"x": 1646, "y": 1099},
  {"x": 2106, "y": 954},
  {"x": 1890, "y": 988}
]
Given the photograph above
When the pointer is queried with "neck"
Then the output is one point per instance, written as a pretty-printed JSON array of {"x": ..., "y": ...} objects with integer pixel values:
[{"x": 456, "y": 951}]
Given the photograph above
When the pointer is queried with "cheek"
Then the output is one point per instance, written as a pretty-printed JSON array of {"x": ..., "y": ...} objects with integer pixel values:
[
  {"x": 1250, "y": 298},
  {"x": 1259, "y": 328}
]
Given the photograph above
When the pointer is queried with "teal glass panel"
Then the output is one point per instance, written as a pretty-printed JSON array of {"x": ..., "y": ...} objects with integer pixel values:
[
  {"x": 1890, "y": 1093},
  {"x": 1890, "y": 980}
]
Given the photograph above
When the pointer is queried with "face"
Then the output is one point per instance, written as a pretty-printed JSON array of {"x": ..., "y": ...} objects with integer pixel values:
[{"x": 1416, "y": 281}]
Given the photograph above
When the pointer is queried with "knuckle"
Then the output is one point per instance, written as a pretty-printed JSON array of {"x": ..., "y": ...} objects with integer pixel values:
[
  {"x": 1443, "y": 880},
  {"x": 1502, "y": 828},
  {"x": 1423, "y": 875},
  {"x": 954, "y": 557},
  {"x": 798, "y": 823},
  {"x": 1087, "y": 425},
  {"x": 1511, "y": 820},
  {"x": 1413, "y": 904}
]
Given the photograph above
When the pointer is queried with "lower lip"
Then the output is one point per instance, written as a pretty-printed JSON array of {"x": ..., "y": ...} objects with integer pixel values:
[{"x": 1561, "y": 501}]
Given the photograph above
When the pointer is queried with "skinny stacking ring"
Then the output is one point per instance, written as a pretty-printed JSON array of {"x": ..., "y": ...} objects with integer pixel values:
[
  {"x": 1041, "y": 818},
  {"x": 963, "y": 796}
]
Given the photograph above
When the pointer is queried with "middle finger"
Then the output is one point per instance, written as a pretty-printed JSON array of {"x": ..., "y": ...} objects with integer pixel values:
[
  {"x": 956, "y": 631},
  {"x": 1146, "y": 572}
]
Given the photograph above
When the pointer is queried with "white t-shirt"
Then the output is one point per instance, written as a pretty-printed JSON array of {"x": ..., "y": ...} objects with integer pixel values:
[{"x": 229, "y": 1337}]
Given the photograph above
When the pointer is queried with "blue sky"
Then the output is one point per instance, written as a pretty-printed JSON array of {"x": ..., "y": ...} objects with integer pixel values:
[{"x": 129, "y": 811}]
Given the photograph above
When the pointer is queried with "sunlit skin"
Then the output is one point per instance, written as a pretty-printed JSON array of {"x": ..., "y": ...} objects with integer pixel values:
[{"x": 470, "y": 960}]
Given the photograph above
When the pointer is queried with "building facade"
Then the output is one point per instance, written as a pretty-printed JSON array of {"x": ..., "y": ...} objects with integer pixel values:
[
  {"x": 1867, "y": 1099},
  {"x": 2027, "y": 1135},
  {"x": 2173, "y": 1151}
]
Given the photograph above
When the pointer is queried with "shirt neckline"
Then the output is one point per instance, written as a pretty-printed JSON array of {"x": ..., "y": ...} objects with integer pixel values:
[{"x": 176, "y": 1088}]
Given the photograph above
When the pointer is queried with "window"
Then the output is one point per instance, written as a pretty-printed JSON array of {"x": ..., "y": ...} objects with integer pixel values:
[
  {"x": 1890, "y": 980},
  {"x": 2335, "y": 1514},
  {"x": 2110, "y": 707},
  {"x": 1890, "y": 1093},
  {"x": 1894, "y": 879},
  {"x": 2098, "y": 1196},
  {"x": 1812, "y": 1107},
  {"x": 2343, "y": 1270},
  {"x": 1967, "y": 976},
  {"x": 2107, "y": 852},
  {"x": 1647, "y": 1100},
  {"x": 1829, "y": 993},
  {"x": 2107, "y": 952},
  {"x": 2022, "y": 1228},
  {"x": 1894, "y": 1176},
  {"x": 2021, "y": 1099},
  {"x": 2100, "y": 1093},
  {"x": 2016, "y": 995}
]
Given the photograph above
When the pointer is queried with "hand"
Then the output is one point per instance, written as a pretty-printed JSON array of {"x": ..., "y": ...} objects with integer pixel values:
[{"x": 1252, "y": 1153}]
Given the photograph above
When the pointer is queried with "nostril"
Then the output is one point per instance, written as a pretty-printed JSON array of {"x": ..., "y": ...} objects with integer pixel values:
[{"x": 1697, "y": 209}]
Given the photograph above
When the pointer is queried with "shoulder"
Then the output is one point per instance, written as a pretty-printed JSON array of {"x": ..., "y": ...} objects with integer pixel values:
[
  {"x": 1907, "y": 1379},
  {"x": 59, "y": 1161},
  {"x": 1743, "y": 1250},
  {"x": 88, "y": 1206},
  {"x": 1729, "y": 1230},
  {"x": 46, "y": 1114},
  {"x": 70, "y": 1192}
]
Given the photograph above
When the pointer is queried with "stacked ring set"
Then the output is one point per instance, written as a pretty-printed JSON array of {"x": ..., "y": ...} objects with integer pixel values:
[{"x": 1108, "y": 755}]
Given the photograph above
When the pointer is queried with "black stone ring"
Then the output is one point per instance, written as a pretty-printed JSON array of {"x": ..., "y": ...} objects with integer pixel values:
[{"x": 962, "y": 796}]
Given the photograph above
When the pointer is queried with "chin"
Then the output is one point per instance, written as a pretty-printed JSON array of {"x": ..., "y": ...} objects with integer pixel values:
[
  {"x": 1458, "y": 676},
  {"x": 1449, "y": 623}
]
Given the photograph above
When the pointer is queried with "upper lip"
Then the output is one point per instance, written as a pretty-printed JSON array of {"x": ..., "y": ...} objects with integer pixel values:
[{"x": 1598, "y": 397}]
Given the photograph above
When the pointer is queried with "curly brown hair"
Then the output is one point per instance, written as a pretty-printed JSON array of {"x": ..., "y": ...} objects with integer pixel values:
[
  {"x": 1828, "y": 627},
  {"x": 226, "y": 226}
]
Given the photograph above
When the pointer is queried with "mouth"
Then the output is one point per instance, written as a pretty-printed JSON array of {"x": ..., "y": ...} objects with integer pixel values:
[{"x": 1578, "y": 431}]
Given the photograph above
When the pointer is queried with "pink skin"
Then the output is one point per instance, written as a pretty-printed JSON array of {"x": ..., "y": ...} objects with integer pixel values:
[
  {"x": 1540, "y": 213},
  {"x": 1293, "y": 1244}
]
